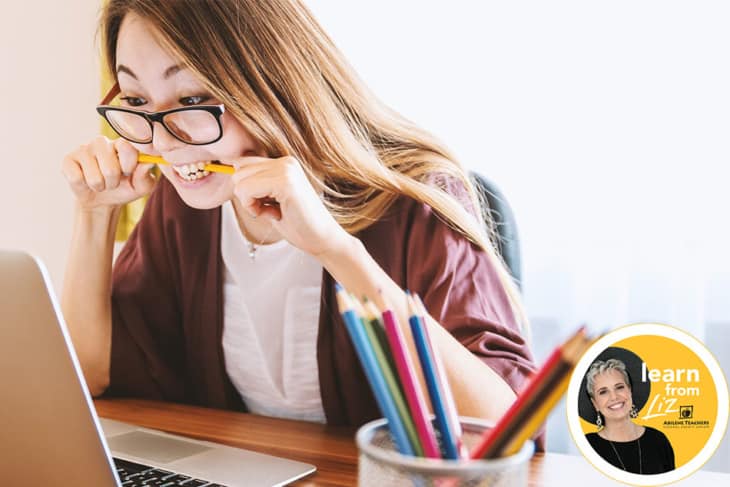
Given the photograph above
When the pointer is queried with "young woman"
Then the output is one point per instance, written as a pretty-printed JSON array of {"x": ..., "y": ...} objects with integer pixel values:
[
  {"x": 620, "y": 441},
  {"x": 223, "y": 296}
]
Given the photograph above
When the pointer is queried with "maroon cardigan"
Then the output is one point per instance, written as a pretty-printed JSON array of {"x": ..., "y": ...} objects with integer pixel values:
[{"x": 167, "y": 307}]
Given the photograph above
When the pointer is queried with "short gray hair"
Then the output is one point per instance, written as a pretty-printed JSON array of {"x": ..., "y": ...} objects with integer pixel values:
[{"x": 599, "y": 367}]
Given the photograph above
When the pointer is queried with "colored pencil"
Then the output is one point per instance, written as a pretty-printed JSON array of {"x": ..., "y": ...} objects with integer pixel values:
[
  {"x": 452, "y": 416},
  {"x": 409, "y": 381},
  {"x": 376, "y": 324},
  {"x": 571, "y": 353},
  {"x": 534, "y": 402},
  {"x": 381, "y": 351},
  {"x": 537, "y": 419},
  {"x": 373, "y": 373},
  {"x": 525, "y": 402},
  {"x": 431, "y": 376}
]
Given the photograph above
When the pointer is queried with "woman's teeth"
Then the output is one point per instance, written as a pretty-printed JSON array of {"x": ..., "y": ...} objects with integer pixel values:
[{"x": 191, "y": 172}]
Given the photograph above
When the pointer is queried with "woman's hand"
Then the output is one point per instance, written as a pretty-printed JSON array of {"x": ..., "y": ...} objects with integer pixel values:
[
  {"x": 278, "y": 189},
  {"x": 105, "y": 173}
]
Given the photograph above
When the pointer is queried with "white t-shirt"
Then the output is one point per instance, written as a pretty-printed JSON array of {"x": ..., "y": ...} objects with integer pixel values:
[{"x": 270, "y": 324}]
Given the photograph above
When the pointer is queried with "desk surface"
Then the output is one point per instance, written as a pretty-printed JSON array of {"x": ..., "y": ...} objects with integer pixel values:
[{"x": 331, "y": 449}]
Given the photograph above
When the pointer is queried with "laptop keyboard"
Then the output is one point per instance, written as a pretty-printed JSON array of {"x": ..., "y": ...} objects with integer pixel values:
[{"x": 137, "y": 475}]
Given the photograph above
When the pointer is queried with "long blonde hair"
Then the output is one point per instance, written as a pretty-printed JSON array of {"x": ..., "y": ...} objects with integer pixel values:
[{"x": 275, "y": 69}]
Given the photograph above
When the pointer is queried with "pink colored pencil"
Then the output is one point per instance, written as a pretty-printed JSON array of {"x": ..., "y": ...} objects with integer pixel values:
[{"x": 414, "y": 395}]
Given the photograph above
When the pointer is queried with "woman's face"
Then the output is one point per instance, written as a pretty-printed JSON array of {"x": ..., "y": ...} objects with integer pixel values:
[
  {"x": 151, "y": 80},
  {"x": 612, "y": 395}
]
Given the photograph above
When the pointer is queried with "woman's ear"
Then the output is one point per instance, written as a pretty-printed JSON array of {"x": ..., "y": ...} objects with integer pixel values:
[{"x": 594, "y": 404}]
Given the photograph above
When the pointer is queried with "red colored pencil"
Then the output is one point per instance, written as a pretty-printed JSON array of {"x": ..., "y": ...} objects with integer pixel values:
[{"x": 551, "y": 372}]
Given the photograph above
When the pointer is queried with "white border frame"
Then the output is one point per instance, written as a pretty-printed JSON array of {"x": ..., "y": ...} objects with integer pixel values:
[{"x": 610, "y": 339}]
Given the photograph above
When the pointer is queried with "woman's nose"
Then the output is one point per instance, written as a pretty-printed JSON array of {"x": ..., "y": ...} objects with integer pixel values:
[{"x": 162, "y": 140}]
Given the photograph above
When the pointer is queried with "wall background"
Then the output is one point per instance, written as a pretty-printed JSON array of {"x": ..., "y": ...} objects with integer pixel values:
[
  {"x": 605, "y": 124},
  {"x": 49, "y": 82}
]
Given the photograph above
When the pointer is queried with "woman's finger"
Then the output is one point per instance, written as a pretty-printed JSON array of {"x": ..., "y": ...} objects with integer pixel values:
[
  {"x": 106, "y": 158},
  {"x": 286, "y": 169},
  {"x": 250, "y": 170},
  {"x": 90, "y": 167},
  {"x": 73, "y": 173},
  {"x": 266, "y": 208},
  {"x": 253, "y": 192},
  {"x": 127, "y": 155},
  {"x": 142, "y": 180},
  {"x": 243, "y": 161}
]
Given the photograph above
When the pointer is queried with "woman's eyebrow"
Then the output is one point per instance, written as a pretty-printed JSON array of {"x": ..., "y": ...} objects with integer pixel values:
[
  {"x": 171, "y": 71},
  {"x": 123, "y": 69}
]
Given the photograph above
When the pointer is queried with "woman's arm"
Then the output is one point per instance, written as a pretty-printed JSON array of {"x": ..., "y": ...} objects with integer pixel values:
[
  {"x": 478, "y": 390},
  {"x": 86, "y": 298},
  {"x": 103, "y": 175}
]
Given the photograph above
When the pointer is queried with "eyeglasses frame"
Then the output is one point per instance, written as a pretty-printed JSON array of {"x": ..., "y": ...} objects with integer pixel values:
[{"x": 103, "y": 108}]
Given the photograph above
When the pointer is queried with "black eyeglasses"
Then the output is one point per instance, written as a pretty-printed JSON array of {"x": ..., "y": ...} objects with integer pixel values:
[{"x": 194, "y": 125}]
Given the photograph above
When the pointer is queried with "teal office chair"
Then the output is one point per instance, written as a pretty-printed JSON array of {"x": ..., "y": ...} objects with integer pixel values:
[{"x": 504, "y": 224}]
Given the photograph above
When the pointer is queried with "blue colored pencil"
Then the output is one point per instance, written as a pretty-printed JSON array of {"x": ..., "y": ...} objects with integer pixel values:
[
  {"x": 452, "y": 416},
  {"x": 430, "y": 375},
  {"x": 373, "y": 373}
]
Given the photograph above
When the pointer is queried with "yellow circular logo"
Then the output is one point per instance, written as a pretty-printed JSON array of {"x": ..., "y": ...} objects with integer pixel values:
[{"x": 647, "y": 404}]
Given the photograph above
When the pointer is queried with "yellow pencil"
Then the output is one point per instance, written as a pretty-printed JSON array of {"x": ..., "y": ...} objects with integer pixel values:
[{"x": 146, "y": 158}]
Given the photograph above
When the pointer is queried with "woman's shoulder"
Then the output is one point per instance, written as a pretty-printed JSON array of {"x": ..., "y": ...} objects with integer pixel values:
[
  {"x": 650, "y": 432},
  {"x": 450, "y": 185},
  {"x": 594, "y": 438},
  {"x": 453, "y": 186},
  {"x": 406, "y": 217}
]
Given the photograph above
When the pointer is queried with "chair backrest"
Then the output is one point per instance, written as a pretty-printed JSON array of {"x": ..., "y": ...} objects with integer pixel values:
[{"x": 504, "y": 224}]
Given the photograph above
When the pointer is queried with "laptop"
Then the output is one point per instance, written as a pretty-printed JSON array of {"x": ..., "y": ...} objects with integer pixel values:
[{"x": 50, "y": 434}]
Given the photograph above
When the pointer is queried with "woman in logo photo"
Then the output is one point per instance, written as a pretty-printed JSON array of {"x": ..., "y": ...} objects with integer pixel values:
[{"x": 620, "y": 441}]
